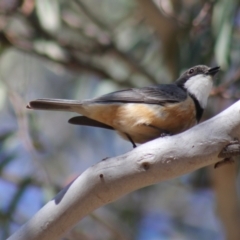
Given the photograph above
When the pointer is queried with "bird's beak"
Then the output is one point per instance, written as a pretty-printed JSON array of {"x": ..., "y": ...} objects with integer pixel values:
[{"x": 213, "y": 71}]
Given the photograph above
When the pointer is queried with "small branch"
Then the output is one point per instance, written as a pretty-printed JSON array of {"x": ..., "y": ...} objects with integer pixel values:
[
  {"x": 221, "y": 89},
  {"x": 130, "y": 61},
  {"x": 116, "y": 232},
  {"x": 72, "y": 63},
  {"x": 171, "y": 14},
  {"x": 155, "y": 161},
  {"x": 91, "y": 16},
  {"x": 167, "y": 30},
  {"x": 203, "y": 14}
]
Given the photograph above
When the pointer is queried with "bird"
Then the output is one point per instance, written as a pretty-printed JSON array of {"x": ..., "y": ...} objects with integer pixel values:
[{"x": 142, "y": 114}]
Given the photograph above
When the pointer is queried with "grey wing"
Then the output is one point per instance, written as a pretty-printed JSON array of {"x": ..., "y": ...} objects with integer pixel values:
[{"x": 162, "y": 94}]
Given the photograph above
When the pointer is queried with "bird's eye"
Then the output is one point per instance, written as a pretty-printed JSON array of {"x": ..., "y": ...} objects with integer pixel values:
[{"x": 191, "y": 71}]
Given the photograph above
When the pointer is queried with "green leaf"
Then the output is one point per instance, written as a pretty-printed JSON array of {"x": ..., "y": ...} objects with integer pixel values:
[
  {"x": 223, "y": 17},
  {"x": 223, "y": 44},
  {"x": 48, "y": 14}
]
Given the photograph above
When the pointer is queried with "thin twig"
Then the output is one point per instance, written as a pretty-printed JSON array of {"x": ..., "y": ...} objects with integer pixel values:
[{"x": 130, "y": 61}]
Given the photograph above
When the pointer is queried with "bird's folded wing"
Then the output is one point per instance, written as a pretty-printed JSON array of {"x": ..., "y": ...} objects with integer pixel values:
[
  {"x": 162, "y": 94},
  {"x": 85, "y": 121}
]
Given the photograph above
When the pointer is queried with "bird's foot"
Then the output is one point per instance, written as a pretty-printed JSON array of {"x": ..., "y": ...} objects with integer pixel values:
[
  {"x": 165, "y": 134},
  {"x": 130, "y": 139}
]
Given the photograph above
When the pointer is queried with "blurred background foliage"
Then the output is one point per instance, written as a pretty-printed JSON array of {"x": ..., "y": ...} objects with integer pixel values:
[{"x": 80, "y": 49}]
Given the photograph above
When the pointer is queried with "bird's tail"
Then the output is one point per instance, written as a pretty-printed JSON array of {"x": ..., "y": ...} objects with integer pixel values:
[{"x": 55, "y": 105}]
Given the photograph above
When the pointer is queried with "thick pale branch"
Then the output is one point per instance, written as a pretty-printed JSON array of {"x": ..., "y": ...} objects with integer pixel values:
[{"x": 155, "y": 161}]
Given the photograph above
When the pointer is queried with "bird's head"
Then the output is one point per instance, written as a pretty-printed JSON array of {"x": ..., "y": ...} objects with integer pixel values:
[{"x": 198, "y": 82}]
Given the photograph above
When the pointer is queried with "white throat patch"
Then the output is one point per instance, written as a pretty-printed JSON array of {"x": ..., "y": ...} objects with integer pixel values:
[{"x": 200, "y": 86}]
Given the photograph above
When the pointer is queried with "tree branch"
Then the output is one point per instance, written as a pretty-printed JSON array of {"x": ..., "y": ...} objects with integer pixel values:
[
  {"x": 155, "y": 161},
  {"x": 227, "y": 200},
  {"x": 129, "y": 60}
]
